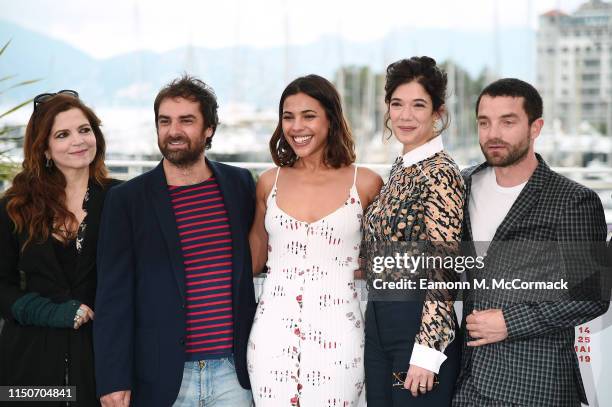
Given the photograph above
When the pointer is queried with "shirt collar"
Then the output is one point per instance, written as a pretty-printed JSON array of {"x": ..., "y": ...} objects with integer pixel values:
[{"x": 420, "y": 153}]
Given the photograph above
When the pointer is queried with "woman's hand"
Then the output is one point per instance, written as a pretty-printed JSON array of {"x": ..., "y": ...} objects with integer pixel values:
[
  {"x": 419, "y": 380},
  {"x": 83, "y": 315}
]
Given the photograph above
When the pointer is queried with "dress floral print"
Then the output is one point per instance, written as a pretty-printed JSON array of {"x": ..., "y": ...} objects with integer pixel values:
[
  {"x": 307, "y": 341},
  {"x": 422, "y": 203}
]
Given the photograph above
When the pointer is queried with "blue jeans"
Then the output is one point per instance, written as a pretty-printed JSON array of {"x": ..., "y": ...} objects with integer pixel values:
[{"x": 212, "y": 383}]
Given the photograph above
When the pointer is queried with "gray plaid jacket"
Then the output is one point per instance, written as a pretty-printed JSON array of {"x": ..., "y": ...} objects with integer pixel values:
[{"x": 536, "y": 365}]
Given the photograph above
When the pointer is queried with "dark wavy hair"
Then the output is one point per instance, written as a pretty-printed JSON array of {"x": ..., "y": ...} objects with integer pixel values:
[
  {"x": 340, "y": 148},
  {"x": 191, "y": 88},
  {"x": 429, "y": 75},
  {"x": 36, "y": 200}
]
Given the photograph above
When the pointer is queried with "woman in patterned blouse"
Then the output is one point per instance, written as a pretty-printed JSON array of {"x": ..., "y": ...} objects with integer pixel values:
[{"x": 411, "y": 346}]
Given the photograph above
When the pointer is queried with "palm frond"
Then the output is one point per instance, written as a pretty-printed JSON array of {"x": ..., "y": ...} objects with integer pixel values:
[
  {"x": 5, "y": 46},
  {"x": 6, "y": 78},
  {"x": 23, "y": 83},
  {"x": 19, "y": 106}
]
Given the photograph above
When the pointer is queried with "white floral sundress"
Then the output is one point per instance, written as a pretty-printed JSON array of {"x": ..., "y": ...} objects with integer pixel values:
[{"x": 307, "y": 341}]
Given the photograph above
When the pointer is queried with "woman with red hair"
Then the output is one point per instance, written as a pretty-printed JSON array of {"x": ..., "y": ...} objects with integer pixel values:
[{"x": 49, "y": 221}]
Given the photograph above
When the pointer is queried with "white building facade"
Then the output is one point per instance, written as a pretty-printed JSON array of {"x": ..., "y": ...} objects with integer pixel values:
[{"x": 574, "y": 67}]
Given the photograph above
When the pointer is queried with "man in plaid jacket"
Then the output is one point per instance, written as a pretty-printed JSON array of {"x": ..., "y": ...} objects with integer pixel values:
[{"x": 528, "y": 223}]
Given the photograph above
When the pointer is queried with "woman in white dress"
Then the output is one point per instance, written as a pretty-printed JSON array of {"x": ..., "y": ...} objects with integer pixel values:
[{"x": 306, "y": 344}]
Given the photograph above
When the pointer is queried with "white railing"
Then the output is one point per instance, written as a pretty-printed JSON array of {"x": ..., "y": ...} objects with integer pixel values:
[
  {"x": 596, "y": 178},
  {"x": 119, "y": 168}
]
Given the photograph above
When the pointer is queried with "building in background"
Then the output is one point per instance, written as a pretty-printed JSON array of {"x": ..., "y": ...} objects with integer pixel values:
[{"x": 574, "y": 68}]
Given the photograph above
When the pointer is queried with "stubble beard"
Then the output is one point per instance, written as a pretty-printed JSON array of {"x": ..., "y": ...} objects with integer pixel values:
[{"x": 516, "y": 153}]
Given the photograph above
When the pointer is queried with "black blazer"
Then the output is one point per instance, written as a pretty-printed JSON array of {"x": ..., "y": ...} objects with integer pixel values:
[
  {"x": 33, "y": 355},
  {"x": 140, "y": 304},
  {"x": 536, "y": 364}
]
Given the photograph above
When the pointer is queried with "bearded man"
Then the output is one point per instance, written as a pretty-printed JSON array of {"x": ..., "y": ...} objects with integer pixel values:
[
  {"x": 532, "y": 225},
  {"x": 175, "y": 299}
]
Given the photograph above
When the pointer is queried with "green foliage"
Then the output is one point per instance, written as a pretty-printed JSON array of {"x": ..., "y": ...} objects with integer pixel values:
[{"x": 11, "y": 136}]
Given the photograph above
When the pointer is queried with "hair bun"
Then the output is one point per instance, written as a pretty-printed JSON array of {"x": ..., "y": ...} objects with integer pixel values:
[{"x": 428, "y": 62}]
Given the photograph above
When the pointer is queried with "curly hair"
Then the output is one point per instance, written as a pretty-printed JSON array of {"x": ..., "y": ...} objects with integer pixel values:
[{"x": 429, "y": 75}]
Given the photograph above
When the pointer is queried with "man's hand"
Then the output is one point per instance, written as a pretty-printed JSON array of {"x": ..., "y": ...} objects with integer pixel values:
[
  {"x": 486, "y": 327},
  {"x": 116, "y": 399}
]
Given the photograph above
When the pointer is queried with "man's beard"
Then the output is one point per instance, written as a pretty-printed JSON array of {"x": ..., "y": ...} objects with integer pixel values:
[
  {"x": 516, "y": 153},
  {"x": 182, "y": 158}
]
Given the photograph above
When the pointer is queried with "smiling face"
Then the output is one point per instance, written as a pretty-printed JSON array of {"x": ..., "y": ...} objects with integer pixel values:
[
  {"x": 504, "y": 132},
  {"x": 305, "y": 125},
  {"x": 71, "y": 143},
  {"x": 181, "y": 131},
  {"x": 412, "y": 116}
]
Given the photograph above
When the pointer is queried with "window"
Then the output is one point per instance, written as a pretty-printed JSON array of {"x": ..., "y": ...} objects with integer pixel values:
[
  {"x": 590, "y": 92},
  {"x": 588, "y": 106},
  {"x": 590, "y": 77},
  {"x": 591, "y": 62}
]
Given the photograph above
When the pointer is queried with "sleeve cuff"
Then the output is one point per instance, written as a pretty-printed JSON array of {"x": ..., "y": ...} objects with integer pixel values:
[
  {"x": 427, "y": 358},
  {"x": 512, "y": 319}
]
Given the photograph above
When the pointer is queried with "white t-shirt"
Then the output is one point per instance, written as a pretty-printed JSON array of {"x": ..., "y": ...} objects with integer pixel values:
[{"x": 489, "y": 204}]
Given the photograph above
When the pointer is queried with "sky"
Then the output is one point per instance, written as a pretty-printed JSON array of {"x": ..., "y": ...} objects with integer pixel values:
[{"x": 112, "y": 27}]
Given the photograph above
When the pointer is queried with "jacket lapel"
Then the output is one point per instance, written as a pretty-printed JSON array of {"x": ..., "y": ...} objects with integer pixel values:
[
  {"x": 467, "y": 179},
  {"x": 160, "y": 200},
  {"x": 525, "y": 201},
  {"x": 232, "y": 206},
  {"x": 467, "y": 224}
]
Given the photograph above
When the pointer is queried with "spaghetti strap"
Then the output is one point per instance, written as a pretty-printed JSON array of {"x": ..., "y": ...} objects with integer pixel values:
[
  {"x": 354, "y": 177},
  {"x": 276, "y": 179}
]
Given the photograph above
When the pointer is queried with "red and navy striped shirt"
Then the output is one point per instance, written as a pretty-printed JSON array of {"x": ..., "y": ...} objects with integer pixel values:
[{"x": 206, "y": 243}]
